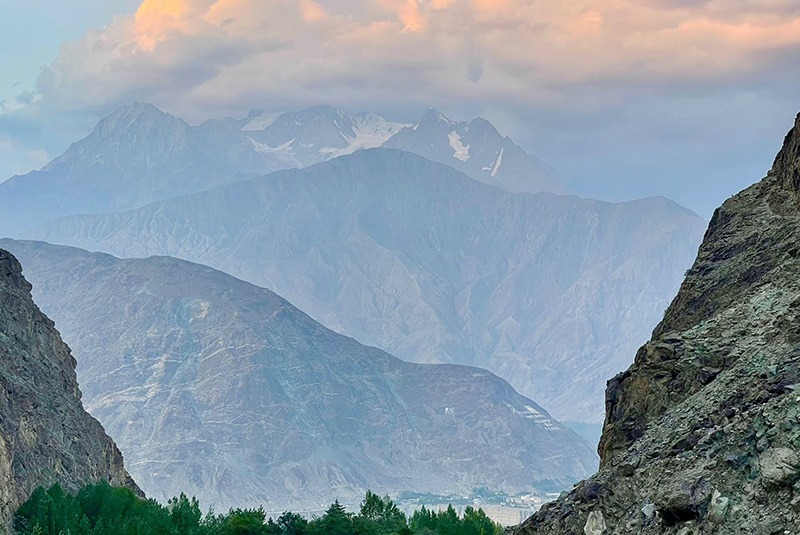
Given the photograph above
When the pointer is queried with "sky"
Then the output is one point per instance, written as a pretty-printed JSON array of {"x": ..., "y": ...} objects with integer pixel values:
[{"x": 688, "y": 99}]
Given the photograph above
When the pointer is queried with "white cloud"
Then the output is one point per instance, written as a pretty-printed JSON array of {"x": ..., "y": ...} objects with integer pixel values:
[
  {"x": 18, "y": 160},
  {"x": 188, "y": 55}
]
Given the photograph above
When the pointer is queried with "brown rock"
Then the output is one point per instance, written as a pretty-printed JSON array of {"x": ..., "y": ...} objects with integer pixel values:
[
  {"x": 727, "y": 346},
  {"x": 45, "y": 434}
]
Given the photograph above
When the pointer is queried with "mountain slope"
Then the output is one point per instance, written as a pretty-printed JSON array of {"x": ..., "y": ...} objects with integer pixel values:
[
  {"x": 414, "y": 257},
  {"x": 224, "y": 390},
  {"x": 136, "y": 155},
  {"x": 478, "y": 150},
  {"x": 45, "y": 434},
  {"x": 701, "y": 433}
]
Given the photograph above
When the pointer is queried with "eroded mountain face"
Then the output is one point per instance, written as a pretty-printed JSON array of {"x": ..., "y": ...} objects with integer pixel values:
[
  {"x": 552, "y": 293},
  {"x": 223, "y": 390},
  {"x": 45, "y": 434},
  {"x": 702, "y": 433}
]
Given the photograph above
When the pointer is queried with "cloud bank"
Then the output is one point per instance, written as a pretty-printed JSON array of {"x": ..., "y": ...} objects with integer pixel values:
[
  {"x": 591, "y": 86},
  {"x": 190, "y": 55}
]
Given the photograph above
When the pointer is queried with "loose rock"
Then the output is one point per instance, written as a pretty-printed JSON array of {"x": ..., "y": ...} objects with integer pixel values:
[
  {"x": 595, "y": 524},
  {"x": 779, "y": 467}
]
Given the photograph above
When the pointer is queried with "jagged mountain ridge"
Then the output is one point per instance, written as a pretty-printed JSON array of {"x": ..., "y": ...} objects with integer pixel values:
[
  {"x": 140, "y": 154},
  {"x": 702, "y": 432},
  {"x": 476, "y": 149},
  {"x": 317, "y": 134},
  {"x": 223, "y": 390},
  {"x": 45, "y": 434},
  {"x": 422, "y": 261}
]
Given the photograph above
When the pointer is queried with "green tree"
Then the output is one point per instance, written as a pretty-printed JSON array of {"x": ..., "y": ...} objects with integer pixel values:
[
  {"x": 49, "y": 511},
  {"x": 240, "y": 522},
  {"x": 292, "y": 524},
  {"x": 379, "y": 516},
  {"x": 185, "y": 514},
  {"x": 335, "y": 521},
  {"x": 475, "y": 522},
  {"x": 423, "y": 521},
  {"x": 448, "y": 522}
]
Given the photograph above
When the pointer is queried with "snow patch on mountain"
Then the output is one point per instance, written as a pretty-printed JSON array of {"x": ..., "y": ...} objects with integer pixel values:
[
  {"x": 371, "y": 131},
  {"x": 284, "y": 152},
  {"x": 460, "y": 151},
  {"x": 477, "y": 149},
  {"x": 261, "y": 121},
  {"x": 498, "y": 163},
  {"x": 532, "y": 414},
  {"x": 318, "y": 134}
]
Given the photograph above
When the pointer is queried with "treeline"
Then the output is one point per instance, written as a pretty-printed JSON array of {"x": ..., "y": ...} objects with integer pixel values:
[{"x": 104, "y": 510}]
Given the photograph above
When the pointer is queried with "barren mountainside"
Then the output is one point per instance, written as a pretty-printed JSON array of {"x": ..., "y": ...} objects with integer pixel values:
[
  {"x": 702, "y": 433},
  {"x": 45, "y": 434},
  {"x": 223, "y": 390},
  {"x": 553, "y": 293}
]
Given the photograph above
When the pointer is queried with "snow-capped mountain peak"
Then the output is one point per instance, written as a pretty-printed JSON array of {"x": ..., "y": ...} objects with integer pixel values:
[
  {"x": 433, "y": 118},
  {"x": 318, "y": 134},
  {"x": 477, "y": 149}
]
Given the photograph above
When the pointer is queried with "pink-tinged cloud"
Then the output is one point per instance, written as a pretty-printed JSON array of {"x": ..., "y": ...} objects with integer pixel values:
[{"x": 189, "y": 54}]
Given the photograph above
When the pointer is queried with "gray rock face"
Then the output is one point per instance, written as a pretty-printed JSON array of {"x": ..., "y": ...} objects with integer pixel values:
[
  {"x": 221, "y": 389},
  {"x": 550, "y": 292},
  {"x": 780, "y": 467},
  {"x": 45, "y": 434},
  {"x": 706, "y": 422},
  {"x": 476, "y": 149}
]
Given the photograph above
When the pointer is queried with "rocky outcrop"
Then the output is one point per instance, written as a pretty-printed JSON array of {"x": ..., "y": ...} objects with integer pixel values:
[
  {"x": 45, "y": 434},
  {"x": 702, "y": 432}
]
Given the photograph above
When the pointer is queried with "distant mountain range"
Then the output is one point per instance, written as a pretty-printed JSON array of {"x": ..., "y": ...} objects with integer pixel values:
[
  {"x": 553, "y": 293},
  {"x": 221, "y": 389},
  {"x": 140, "y": 154}
]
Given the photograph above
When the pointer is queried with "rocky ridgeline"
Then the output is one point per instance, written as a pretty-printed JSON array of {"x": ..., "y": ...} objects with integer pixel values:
[
  {"x": 702, "y": 432},
  {"x": 45, "y": 434}
]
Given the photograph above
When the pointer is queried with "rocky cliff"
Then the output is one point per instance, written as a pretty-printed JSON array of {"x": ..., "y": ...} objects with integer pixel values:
[
  {"x": 701, "y": 432},
  {"x": 45, "y": 434}
]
